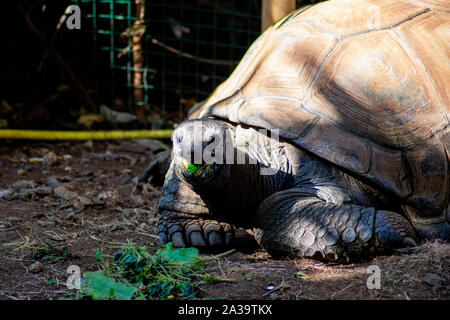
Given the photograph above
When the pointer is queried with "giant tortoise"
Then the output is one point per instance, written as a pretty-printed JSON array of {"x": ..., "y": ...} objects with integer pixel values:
[{"x": 339, "y": 114}]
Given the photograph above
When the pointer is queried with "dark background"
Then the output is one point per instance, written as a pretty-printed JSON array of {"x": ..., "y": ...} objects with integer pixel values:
[{"x": 50, "y": 98}]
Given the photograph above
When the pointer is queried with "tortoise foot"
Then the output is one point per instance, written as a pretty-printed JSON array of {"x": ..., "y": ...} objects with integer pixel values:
[
  {"x": 392, "y": 231},
  {"x": 439, "y": 230},
  {"x": 298, "y": 224},
  {"x": 202, "y": 234}
]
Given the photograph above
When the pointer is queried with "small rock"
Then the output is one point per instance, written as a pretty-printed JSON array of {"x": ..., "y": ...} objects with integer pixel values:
[
  {"x": 4, "y": 225},
  {"x": 89, "y": 144},
  {"x": 71, "y": 186},
  {"x": 132, "y": 147},
  {"x": 154, "y": 145},
  {"x": 21, "y": 172},
  {"x": 43, "y": 191},
  {"x": 319, "y": 264},
  {"x": 87, "y": 173},
  {"x": 61, "y": 193},
  {"x": 65, "y": 178},
  {"x": 99, "y": 201},
  {"x": 36, "y": 267},
  {"x": 143, "y": 225},
  {"x": 139, "y": 200},
  {"x": 15, "y": 219},
  {"x": 52, "y": 182},
  {"x": 51, "y": 159},
  {"x": 81, "y": 202},
  {"x": 37, "y": 215},
  {"x": 142, "y": 159},
  {"x": 45, "y": 224},
  {"x": 125, "y": 178},
  {"x": 110, "y": 197},
  {"x": 6, "y": 195},
  {"x": 26, "y": 193},
  {"x": 135, "y": 180},
  {"x": 23, "y": 184},
  {"x": 433, "y": 279}
]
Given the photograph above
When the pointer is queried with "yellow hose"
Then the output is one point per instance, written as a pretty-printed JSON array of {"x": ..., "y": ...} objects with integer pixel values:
[{"x": 84, "y": 135}]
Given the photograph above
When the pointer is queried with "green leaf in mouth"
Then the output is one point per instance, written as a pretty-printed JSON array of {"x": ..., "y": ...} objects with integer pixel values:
[{"x": 192, "y": 168}]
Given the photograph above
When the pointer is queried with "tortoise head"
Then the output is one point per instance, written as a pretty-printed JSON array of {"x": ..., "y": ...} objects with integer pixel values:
[{"x": 199, "y": 149}]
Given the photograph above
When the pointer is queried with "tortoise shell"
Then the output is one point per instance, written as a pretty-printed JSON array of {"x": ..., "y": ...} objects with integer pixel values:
[{"x": 361, "y": 84}]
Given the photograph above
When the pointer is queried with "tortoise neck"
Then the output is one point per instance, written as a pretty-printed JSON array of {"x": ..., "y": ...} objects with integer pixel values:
[{"x": 259, "y": 166}]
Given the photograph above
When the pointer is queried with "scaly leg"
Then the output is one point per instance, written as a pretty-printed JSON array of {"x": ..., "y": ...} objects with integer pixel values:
[
  {"x": 296, "y": 222},
  {"x": 184, "y": 218}
]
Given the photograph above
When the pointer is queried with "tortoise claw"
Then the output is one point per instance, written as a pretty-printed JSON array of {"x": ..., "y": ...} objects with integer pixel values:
[
  {"x": 197, "y": 239},
  {"x": 196, "y": 233},
  {"x": 163, "y": 238},
  {"x": 178, "y": 240},
  {"x": 215, "y": 238}
]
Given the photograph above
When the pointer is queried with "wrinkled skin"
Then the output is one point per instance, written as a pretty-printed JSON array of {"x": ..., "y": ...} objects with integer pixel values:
[{"x": 297, "y": 204}]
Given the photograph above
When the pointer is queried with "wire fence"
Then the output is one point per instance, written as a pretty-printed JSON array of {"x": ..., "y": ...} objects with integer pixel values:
[{"x": 189, "y": 47}]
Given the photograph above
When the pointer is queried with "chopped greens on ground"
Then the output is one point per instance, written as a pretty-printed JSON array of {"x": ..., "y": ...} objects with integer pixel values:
[
  {"x": 134, "y": 273},
  {"x": 192, "y": 168}
]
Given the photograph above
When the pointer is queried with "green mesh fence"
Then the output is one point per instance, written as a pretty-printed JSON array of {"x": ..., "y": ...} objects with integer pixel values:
[
  {"x": 198, "y": 45},
  {"x": 189, "y": 47}
]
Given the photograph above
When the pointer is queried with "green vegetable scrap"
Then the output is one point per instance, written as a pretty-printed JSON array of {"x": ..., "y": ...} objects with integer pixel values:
[
  {"x": 193, "y": 168},
  {"x": 135, "y": 273},
  {"x": 100, "y": 287}
]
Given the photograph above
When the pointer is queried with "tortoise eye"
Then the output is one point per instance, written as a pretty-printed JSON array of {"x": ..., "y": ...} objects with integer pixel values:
[
  {"x": 212, "y": 139},
  {"x": 179, "y": 139}
]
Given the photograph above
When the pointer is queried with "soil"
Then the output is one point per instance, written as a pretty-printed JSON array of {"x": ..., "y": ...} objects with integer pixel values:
[{"x": 71, "y": 198}]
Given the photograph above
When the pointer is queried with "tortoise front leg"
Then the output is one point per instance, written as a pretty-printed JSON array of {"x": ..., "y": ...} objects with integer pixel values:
[
  {"x": 296, "y": 222},
  {"x": 184, "y": 218}
]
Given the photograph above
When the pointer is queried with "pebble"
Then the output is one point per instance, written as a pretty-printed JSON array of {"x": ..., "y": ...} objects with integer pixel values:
[
  {"x": 36, "y": 267},
  {"x": 139, "y": 200},
  {"x": 110, "y": 197},
  {"x": 43, "y": 191},
  {"x": 23, "y": 184},
  {"x": 26, "y": 193},
  {"x": 87, "y": 173},
  {"x": 62, "y": 193},
  {"x": 80, "y": 202},
  {"x": 132, "y": 147},
  {"x": 89, "y": 144},
  {"x": 125, "y": 178},
  {"x": 51, "y": 159},
  {"x": 6, "y": 194},
  {"x": 433, "y": 279},
  {"x": 65, "y": 178},
  {"x": 70, "y": 186},
  {"x": 52, "y": 182},
  {"x": 152, "y": 145}
]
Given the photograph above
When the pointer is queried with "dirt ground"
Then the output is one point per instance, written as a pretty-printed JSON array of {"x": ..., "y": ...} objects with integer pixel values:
[{"x": 59, "y": 202}]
